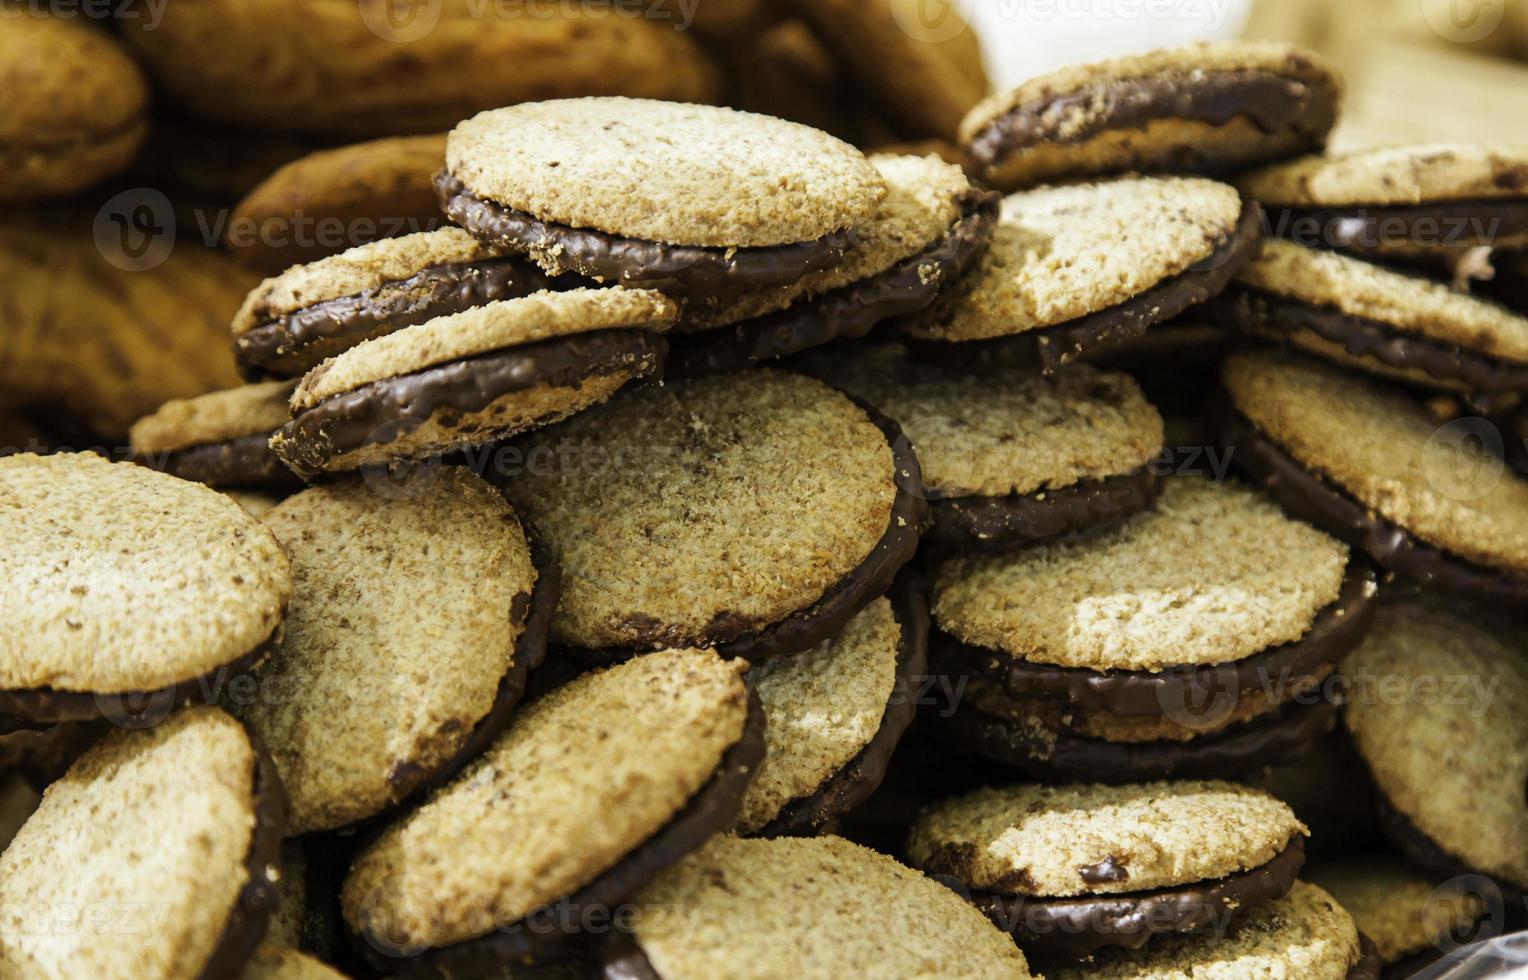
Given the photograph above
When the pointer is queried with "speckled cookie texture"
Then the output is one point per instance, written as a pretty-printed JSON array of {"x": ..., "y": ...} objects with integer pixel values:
[
  {"x": 582, "y": 776},
  {"x": 663, "y": 172},
  {"x": 1202, "y": 108},
  {"x": 1402, "y": 909},
  {"x": 248, "y": 410},
  {"x": 680, "y": 514},
  {"x": 79, "y": 109},
  {"x": 823, "y": 706},
  {"x": 1012, "y": 432},
  {"x": 812, "y": 907},
  {"x": 1065, "y": 252},
  {"x": 1438, "y": 715},
  {"x": 1214, "y": 574},
  {"x": 1395, "y": 175},
  {"x": 1037, "y": 840},
  {"x": 118, "y": 579},
  {"x": 163, "y": 816},
  {"x": 1381, "y": 448},
  {"x": 1306, "y": 934},
  {"x": 347, "y": 741}
]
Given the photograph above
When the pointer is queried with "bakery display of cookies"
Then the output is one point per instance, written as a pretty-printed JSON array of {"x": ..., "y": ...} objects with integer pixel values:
[{"x": 718, "y": 491}]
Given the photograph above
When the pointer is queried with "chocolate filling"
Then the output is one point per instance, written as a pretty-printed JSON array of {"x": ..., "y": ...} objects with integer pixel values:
[
  {"x": 382, "y": 411},
  {"x": 1444, "y": 224},
  {"x": 292, "y": 343},
  {"x": 977, "y": 524},
  {"x": 1078, "y": 926},
  {"x": 1334, "y": 632},
  {"x": 862, "y": 775},
  {"x": 676, "y": 269},
  {"x": 1264, "y": 314},
  {"x": 713, "y": 807},
  {"x": 1045, "y": 754},
  {"x": 1427, "y": 853},
  {"x": 245, "y": 463},
  {"x": 1274, "y": 103},
  {"x": 849, "y": 312},
  {"x": 258, "y": 898},
  {"x": 1050, "y": 348},
  {"x": 1312, "y": 499}
]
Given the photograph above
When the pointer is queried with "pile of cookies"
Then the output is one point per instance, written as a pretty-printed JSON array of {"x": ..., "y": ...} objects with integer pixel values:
[{"x": 715, "y": 551}]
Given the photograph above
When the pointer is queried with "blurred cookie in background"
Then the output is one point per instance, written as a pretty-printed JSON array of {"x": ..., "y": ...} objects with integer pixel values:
[{"x": 220, "y": 439}]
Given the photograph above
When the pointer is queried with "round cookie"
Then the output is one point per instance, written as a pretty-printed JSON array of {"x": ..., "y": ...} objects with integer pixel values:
[
  {"x": 1010, "y": 458},
  {"x": 1369, "y": 465},
  {"x": 469, "y": 378},
  {"x": 1438, "y": 716},
  {"x": 1305, "y": 934},
  {"x": 335, "y": 199},
  {"x": 592, "y": 790},
  {"x": 79, "y": 109},
  {"x": 126, "y": 590},
  {"x": 1075, "y": 267},
  {"x": 807, "y": 906},
  {"x": 928, "y": 231},
  {"x": 686, "y": 199},
  {"x": 1388, "y": 323},
  {"x": 186, "y": 815},
  {"x": 835, "y": 715},
  {"x": 221, "y": 439},
  {"x": 1204, "y": 108},
  {"x": 1069, "y": 870},
  {"x": 1400, "y": 201},
  {"x": 292, "y": 321},
  {"x": 347, "y": 743},
  {"x": 756, "y": 514},
  {"x": 1195, "y": 639},
  {"x": 1411, "y": 918}
]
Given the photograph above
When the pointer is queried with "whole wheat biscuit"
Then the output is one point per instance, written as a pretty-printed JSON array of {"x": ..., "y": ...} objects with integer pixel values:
[
  {"x": 340, "y": 198},
  {"x": 1305, "y": 934},
  {"x": 347, "y": 743},
  {"x": 580, "y": 781},
  {"x": 79, "y": 109},
  {"x": 818, "y": 906},
  {"x": 1214, "y": 574},
  {"x": 357, "y": 70},
  {"x": 1203, "y": 108},
  {"x": 680, "y": 514},
  {"x": 121, "y": 580},
  {"x": 182, "y": 814},
  {"x": 219, "y": 439},
  {"x": 1437, "y": 715},
  {"x": 1403, "y": 910},
  {"x": 1413, "y": 174}
]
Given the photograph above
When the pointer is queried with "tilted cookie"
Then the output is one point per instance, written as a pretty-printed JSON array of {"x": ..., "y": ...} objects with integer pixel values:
[
  {"x": 1411, "y": 916},
  {"x": 220, "y": 439}
]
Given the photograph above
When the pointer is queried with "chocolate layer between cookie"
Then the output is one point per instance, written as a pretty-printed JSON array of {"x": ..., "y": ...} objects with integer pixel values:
[
  {"x": 969, "y": 524},
  {"x": 245, "y": 463}
]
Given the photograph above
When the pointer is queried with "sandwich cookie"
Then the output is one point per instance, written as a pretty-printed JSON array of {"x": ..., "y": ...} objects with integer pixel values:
[
  {"x": 221, "y": 439},
  {"x": 1207, "y": 109},
  {"x": 685, "y": 199},
  {"x": 754, "y": 514},
  {"x": 126, "y": 591},
  {"x": 1401, "y": 201},
  {"x": 836, "y": 713},
  {"x": 1069, "y": 870},
  {"x": 1411, "y": 919},
  {"x": 803, "y": 907},
  {"x": 186, "y": 815},
  {"x": 1195, "y": 639},
  {"x": 469, "y": 378},
  {"x": 1072, "y": 268},
  {"x": 1369, "y": 465},
  {"x": 292, "y": 322},
  {"x": 1010, "y": 458},
  {"x": 348, "y": 744},
  {"x": 929, "y": 230},
  {"x": 1305, "y": 934},
  {"x": 1451, "y": 764},
  {"x": 1360, "y": 315},
  {"x": 591, "y": 791},
  {"x": 1203, "y": 108}
]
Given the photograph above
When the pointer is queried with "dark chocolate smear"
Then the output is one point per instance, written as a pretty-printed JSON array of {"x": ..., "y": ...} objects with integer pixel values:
[
  {"x": 846, "y": 313},
  {"x": 1444, "y": 224},
  {"x": 1314, "y": 500},
  {"x": 963, "y": 525},
  {"x": 675, "y": 269},
  {"x": 1107, "y": 871},
  {"x": 245, "y": 463},
  {"x": 1048, "y": 349}
]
